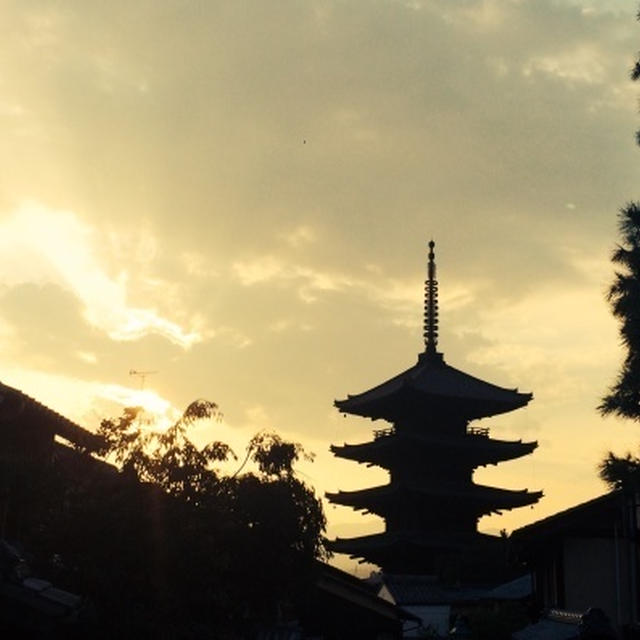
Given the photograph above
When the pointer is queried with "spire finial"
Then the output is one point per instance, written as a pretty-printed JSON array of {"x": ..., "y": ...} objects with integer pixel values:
[{"x": 431, "y": 304}]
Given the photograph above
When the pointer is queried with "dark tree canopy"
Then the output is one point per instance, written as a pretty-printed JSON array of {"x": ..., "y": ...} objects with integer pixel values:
[
  {"x": 623, "y": 398},
  {"x": 620, "y": 472},
  {"x": 172, "y": 545}
]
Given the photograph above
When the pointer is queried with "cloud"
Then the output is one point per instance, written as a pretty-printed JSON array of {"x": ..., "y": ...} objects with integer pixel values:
[
  {"x": 87, "y": 356},
  {"x": 145, "y": 113},
  {"x": 258, "y": 270},
  {"x": 308, "y": 281},
  {"x": 159, "y": 410},
  {"x": 53, "y": 246},
  {"x": 301, "y": 236},
  {"x": 579, "y": 65}
]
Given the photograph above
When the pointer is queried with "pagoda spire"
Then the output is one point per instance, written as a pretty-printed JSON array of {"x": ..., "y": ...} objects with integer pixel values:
[{"x": 431, "y": 305}]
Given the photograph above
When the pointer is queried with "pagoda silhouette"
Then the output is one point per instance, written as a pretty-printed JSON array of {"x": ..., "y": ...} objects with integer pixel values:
[{"x": 431, "y": 505}]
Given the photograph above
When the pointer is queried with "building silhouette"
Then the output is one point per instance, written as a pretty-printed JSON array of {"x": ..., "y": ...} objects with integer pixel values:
[{"x": 431, "y": 505}]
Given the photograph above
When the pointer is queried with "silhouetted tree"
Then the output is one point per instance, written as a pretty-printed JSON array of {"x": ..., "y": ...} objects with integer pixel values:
[
  {"x": 623, "y": 398},
  {"x": 172, "y": 546},
  {"x": 620, "y": 472}
]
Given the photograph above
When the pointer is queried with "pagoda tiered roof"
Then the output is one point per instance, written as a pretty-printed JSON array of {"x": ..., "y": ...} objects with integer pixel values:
[
  {"x": 365, "y": 546},
  {"x": 415, "y": 551},
  {"x": 479, "y": 498},
  {"x": 431, "y": 505},
  {"x": 420, "y": 552},
  {"x": 476, "y": 449},
  {"x": 432, "y": 387}
]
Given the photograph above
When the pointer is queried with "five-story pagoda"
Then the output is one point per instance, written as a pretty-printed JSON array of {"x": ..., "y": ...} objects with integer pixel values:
[{"x": 431, "y": 505}]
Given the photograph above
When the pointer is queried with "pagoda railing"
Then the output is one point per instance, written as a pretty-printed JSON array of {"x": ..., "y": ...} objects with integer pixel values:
[
  {"x": 478, "y": 431},
  {"x": 471, "y": 431}
]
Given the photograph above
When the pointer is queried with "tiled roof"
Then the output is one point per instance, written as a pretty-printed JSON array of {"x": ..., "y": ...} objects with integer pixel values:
[
  {"x": 594, "y": 516},
  {"x": 386, "y": 540},
  {"x": 490, "y": 497},
  {"x": 16, "y": 406},
  {"x": 483, "y": 449},
  {"x": 419, "y": 590}
]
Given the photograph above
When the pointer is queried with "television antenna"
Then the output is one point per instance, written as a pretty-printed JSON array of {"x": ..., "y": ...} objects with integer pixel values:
[{"x": 142, "y": 375}]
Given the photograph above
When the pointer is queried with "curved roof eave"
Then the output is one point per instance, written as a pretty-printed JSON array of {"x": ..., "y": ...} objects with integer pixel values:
[
  {"x": 477, "y": 492},
  {"x": 432, "y": 381}
]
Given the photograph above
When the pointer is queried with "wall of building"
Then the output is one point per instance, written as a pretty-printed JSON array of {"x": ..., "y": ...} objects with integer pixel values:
[{"x": 597, "y": 574}]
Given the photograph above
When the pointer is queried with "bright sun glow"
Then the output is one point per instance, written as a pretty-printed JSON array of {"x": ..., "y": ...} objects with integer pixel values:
[
  {"x": 158, "y": 410},
  {"x": 42, "y": 245}
]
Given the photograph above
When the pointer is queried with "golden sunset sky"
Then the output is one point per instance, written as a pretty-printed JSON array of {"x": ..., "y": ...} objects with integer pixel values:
[{"x": 238, "y": 196}]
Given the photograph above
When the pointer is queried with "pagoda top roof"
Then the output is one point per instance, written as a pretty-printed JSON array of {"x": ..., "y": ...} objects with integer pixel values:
[{"x": 429, "y": 385}]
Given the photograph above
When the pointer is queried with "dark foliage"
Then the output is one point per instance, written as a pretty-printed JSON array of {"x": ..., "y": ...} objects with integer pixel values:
[
  {"x": 171, "y": 546},
  {"x": 620, "y": 472},
  {"x": 499, "y": 621},
  {"x": 623, "y": 398}
]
